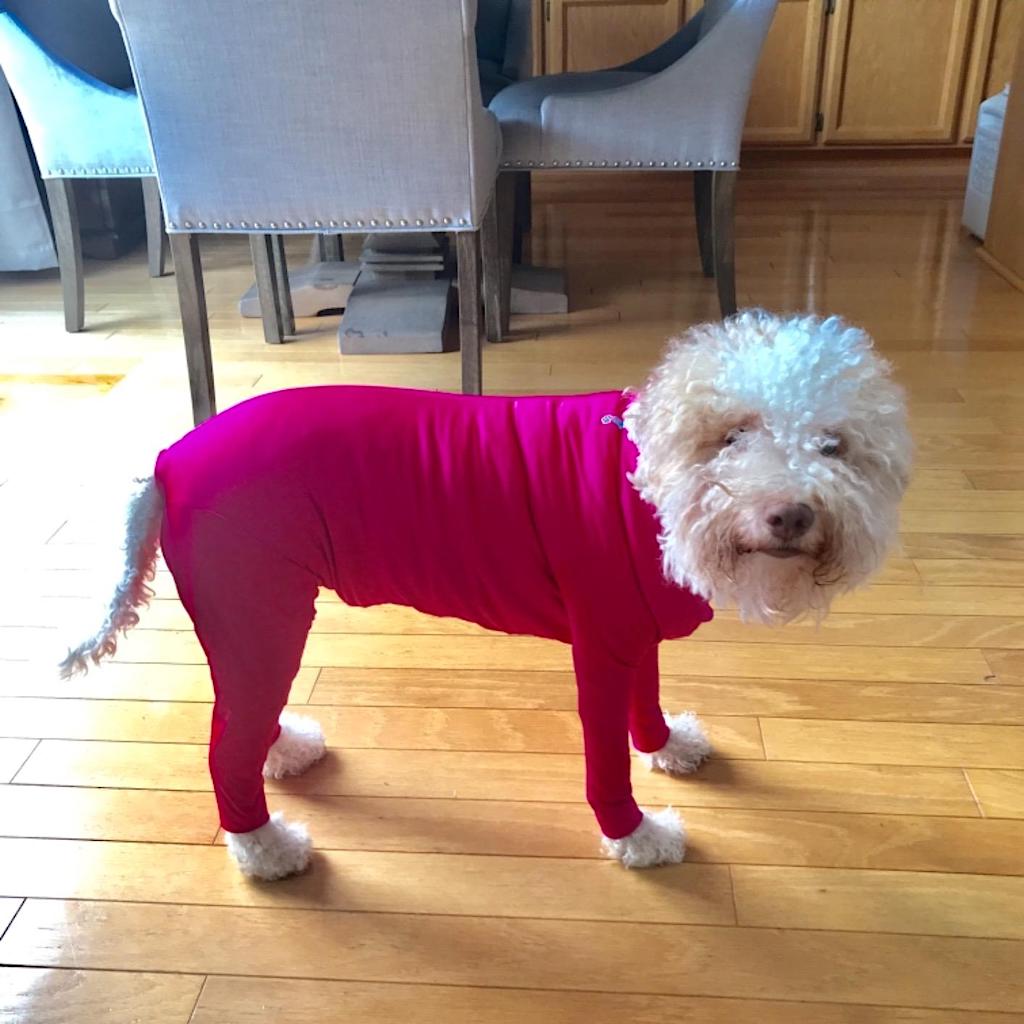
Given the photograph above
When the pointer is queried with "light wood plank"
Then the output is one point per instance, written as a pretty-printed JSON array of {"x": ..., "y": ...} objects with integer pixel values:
[
  {"x": 255, "y": 1001},
  {"x": 717, "y": 835},
  {"x": 965, "y": 746},
  {"x": 412, "y": 883},
  {"x": 922, "y": 903},
  {"x": 957, "y": 973},
  {"x": 962, "y": 545},
  {"x": 996, "y": 480},
  {"x": 387, "y": 728},
  {"x": 43, "y": 996},
  {"x": 1000, "y": 793},
  {"x": 966, "y": 572},
  {"x": 929, "y": 600},
  {"x": 930, "y": 702},
  {"x": 125, "y": 681},
  {"x": 74, "y": 812},
  {"x": 501, "y": 776},
  {"x": 13, "y": 753},
  {"x": 1007, "y": 666},
  {"x": 496, "y": 651}
]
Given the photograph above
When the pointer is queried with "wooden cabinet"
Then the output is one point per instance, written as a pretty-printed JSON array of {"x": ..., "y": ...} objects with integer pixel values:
[
  {"x": 585, "y": 35},
  {"x": 997, "y": 28},
  {"x": 833, "y": 72},
  {"x": 893, "y": 72},
  {"x": 784, "y": 98}
]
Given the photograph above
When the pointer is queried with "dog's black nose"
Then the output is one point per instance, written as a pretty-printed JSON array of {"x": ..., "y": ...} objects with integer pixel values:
[{"x": 789, "y": 522}]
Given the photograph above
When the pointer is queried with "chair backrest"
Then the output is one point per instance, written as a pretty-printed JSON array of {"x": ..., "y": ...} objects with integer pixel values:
[
  {"x": 712, "y": 12},
  {"x": 82, "y": 33},
  {"x": 325, "y": 114}
]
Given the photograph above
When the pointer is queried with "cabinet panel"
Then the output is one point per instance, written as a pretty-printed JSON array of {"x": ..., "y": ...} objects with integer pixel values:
[
  {"x": 998, "y": 27},
  {"x": 894, "y": 70},
  {"x": 784, "y": 99},
  {"x": 585, "y": 35}
]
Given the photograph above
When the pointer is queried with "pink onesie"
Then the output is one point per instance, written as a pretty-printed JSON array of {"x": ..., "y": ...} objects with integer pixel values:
[{"x": 514, "y": 513}]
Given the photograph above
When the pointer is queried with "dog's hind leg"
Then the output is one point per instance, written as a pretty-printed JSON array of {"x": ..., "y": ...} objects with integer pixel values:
[
  {"x": 252, "y": 610},
  {"x": 674, "y": 744}
]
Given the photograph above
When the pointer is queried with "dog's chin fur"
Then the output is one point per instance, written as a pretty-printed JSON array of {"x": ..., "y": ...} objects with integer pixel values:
[
  {"x": 272, "y": 851},
  {"x": 741, "y": 416},
  {"x": 659, "y": 839}
]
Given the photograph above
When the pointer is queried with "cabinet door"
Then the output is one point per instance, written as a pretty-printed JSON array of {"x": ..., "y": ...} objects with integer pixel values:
[
  {"x": 998, "y": 26},
  {"x": 784, "y": 99},
  {"x": 894, "y": 70},
  {"x": 586, "y": 35}
]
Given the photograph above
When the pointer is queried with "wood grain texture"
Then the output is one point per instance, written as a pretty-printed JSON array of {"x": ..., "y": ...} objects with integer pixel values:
[
  {"x": 502, "y": 776},
  {"x": 379, "y": 882},
  {"x": 43, "y": 996},
  {"x": 792, "y": 698},
  {"x": 981, "y": 746},
  {"x": 254, "y": 1001},
  {"x": 717, "y": 835},
  {"x": 911, "y": 902},
  {"x": 707, "y": 960},
  {"x": 1000, "y": 793}
]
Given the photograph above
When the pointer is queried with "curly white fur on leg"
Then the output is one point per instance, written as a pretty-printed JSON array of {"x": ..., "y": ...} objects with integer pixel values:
[
  {"x": 687, "y": 747},
  {"x": 659, "y": 839},
  {"x": 274, "y": 850},
  {"x": 299, "y": 745}
]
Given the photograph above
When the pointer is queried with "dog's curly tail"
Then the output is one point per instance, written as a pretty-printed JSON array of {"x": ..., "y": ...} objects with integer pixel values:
[{"x": 142, "y": 537}]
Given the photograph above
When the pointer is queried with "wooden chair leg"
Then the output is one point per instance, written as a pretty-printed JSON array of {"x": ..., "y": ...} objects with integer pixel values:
[
  {"x": 284, "y": 291},
  {"x": 702, "y": 196},
  {"x": 195, "y": 325},
  {"x": 470, "y": 336},
  {"x": 266, "y": 287},
  {"x": 66, "y": 237},
  {"x": 523, "y": 219},
  {"x": 328, "y": 249},
  {"x": 723, "y": 221},
  {"x": 156, "y": 236},
  {"x": 494, "y": 315},
  {"x": 505, "y": 204}
]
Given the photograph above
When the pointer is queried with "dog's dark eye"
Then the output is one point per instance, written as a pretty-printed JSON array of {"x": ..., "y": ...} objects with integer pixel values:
[
  {"x": 733, "y": 436},
  {"x": 831, "y": 447}
]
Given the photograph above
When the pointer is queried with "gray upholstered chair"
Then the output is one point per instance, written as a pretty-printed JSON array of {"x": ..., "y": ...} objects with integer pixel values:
[
  {"x": 69, "y": 74},
  {"x": 341, "y": 117},
  {"x": 679, "y": 107}
]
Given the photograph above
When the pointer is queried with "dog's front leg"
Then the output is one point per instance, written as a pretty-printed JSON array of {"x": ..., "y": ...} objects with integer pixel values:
[
  {"x": 635, "y": 837},
  {"x": 674, "y": 744}
]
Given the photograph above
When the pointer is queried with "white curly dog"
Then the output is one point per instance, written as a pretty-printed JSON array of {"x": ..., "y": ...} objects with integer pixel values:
[{"x": 761, "y": 467}]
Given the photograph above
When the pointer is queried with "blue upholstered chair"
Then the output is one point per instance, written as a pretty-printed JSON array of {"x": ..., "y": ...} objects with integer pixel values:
[
  {"x": 679, "y": 107},
  {"x": 504, "y": 46},
  {"x": 80, "y": 126},
  {"x": 350, "y": 118}
]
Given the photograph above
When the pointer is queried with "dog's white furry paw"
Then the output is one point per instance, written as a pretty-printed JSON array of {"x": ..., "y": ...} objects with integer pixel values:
[
  {"x": 659, "y": 839},
  {"x": 686, "y": 749},
  {"x": 272, "y": 851},
  {"x": 299, "y": 745}
]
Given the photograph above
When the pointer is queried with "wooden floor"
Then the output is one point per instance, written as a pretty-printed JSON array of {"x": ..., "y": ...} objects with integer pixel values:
[{"x": 857, "y": 844}]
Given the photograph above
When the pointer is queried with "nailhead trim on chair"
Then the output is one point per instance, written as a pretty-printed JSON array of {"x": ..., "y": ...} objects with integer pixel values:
[
  {"x": 508, "y": 164},
  {"x": 97, "y": 172},
  {"x": 301, "y": 225}
]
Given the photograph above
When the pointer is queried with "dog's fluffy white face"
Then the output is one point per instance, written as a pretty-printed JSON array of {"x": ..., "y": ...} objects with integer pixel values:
[{"x": 775, "y": 452}]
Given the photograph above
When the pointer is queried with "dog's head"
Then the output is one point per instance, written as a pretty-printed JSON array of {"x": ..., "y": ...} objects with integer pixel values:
[{"x": 775, "y": 452}]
